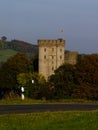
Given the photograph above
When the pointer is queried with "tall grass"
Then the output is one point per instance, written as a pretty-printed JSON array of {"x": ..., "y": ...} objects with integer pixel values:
[{"x": 51, "y": 121}]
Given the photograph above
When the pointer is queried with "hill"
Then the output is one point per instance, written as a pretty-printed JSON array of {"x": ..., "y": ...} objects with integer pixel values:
[
  {"x": 5, "y": 54},
  {"x": 22, "y": 46},
  {"x": 10, "y": 48}
]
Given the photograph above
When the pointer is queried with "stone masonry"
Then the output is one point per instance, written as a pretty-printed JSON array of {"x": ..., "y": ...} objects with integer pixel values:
[{"x": 51, "y": 55}]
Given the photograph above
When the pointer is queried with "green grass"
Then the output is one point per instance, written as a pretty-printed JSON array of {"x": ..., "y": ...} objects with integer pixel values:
[
  {"x": 5, "y": 54},
  {"x": 18, "y": 100},
  {"x": 51, "y": 121}
]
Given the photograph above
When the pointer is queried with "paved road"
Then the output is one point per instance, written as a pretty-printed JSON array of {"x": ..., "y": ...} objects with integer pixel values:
[{"x": 30, "y": 108}]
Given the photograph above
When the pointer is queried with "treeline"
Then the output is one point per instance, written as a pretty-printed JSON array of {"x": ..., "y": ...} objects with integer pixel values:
[
  {"x": 78, "y": 81},
  {"x": 17, "y": 45},
  {"x": 68, "y": 81},
  {"x": 9, "y": 71}
]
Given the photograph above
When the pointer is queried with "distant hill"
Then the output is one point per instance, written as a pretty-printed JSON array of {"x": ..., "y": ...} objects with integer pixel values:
[
  {"x": 22, "y": 46},
  {"x": 10, "y": 48}
]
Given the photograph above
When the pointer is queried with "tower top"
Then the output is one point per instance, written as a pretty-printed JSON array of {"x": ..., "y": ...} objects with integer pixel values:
[{"x": 52, "y": 42}]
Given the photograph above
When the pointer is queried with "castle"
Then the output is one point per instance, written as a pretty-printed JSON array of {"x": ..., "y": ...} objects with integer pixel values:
[{"x": 52, "y": 54}]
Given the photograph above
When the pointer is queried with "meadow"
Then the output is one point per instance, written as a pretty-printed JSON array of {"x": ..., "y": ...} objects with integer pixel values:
[
  {"x": 5, "y": 54},
  {"x": 77, "y": 120}
]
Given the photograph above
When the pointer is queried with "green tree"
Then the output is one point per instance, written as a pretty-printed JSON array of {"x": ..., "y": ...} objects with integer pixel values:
[
  {"x": 32, "y": 83},
  {"x": 34, "y": 61},
  {"x": 63, "y": 81},
  {"x": 3, "y": 44},
  {"x": 4, "y": 38},
  {"x": 9, "y": 71}
]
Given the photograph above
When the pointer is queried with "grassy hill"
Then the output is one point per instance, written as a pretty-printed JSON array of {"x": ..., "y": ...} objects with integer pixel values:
[
  {"x": 10, "y": 48},
  {"x": 5, "y": 54}
]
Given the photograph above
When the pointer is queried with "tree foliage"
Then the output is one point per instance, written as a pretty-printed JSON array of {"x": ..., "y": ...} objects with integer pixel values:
[
  {"x": 78, "y": 81},
  {"x": 3, "y": 44},
  {"x": 32, "y": 82},
  {"x": 9, "y": 71},
  {"x": 68, "y": 81},
  {"x": 87, "y": 75},
  {"x": 63, "y": 81},
  {"x": 4, "y": 38}
]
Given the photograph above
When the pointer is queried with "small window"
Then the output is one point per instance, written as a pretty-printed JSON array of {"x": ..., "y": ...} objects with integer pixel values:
[
  {"x": 52, "y": 49},
  {"x": 44, "y": 56},
  {"x": 52, "y": 57},
  {"x": 60, "y": 50},
  {"x": 44, "y": 49},
  {"x": 60, "y": 57},
  {"x": 52, "y": 68}
]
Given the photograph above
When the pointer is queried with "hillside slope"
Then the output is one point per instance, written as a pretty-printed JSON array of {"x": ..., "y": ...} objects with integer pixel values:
[
  {"x": 5, "y": 54},
  {"x": 22, "y": 46},
  {"x": 10, "y": 48}
]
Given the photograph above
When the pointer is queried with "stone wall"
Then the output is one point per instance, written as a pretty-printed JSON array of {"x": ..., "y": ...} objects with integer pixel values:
[{"x": 71, "y": 57}]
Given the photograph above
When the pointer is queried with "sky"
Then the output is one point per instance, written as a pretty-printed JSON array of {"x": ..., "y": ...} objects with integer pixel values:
[{"x": 76, "y": 21}]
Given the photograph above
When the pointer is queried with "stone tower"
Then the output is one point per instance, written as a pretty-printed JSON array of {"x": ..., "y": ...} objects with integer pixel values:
[{"x": 51, "y": 55}]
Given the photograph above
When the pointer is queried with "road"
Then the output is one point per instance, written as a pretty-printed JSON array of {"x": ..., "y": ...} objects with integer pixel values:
[{"x": 30, "y": 108}]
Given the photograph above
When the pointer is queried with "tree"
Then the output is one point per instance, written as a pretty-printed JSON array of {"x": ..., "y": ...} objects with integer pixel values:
[
  {"x": 3, "y": 44},
  {"x": 63, "y": 81},
  {"x": 34, "y": 61},
  {"x": 87, "y": 77},
  {"x": 32, "y": 89},
  {"x": 9, "y": 71},
  {"x": 4, "y": 38}
]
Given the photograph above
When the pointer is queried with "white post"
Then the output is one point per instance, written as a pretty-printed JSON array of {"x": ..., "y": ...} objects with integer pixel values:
[
  {"x": 32, "y": 81},
  {"x": 22, "y": 94}
]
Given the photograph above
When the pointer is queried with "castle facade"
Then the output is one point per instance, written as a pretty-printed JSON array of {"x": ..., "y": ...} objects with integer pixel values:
[{"x": 51, "y": 55}]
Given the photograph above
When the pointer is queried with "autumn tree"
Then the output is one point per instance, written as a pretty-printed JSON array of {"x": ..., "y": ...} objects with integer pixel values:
[{"x": 87, "y": 77}]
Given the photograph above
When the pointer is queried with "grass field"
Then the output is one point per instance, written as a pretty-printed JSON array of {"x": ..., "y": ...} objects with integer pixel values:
[
  {"x": 18, "y": 100},
  {"x": 75, "y": 120},
  {"x": 5, "y": 54},
  {"x": 51, "y": 121},
  {"x": 32, "y": 101}
]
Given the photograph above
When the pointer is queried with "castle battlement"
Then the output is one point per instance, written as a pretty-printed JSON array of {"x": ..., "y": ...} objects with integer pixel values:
[{"x": 50, "y": 43}]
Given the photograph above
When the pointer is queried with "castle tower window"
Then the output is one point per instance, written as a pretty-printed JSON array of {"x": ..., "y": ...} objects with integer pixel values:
[
  {"x": 52, "y": 49},
  {"x": 52, "y": 68},
  {"x": 44, "y": 49},
  {"x": 52, "y": 62},
  {"x": 60, "y": 57},
  {"x": 52, "y": 57},
  {"x": 44, "y": 56},
  {"x": 60, "y": 50}
]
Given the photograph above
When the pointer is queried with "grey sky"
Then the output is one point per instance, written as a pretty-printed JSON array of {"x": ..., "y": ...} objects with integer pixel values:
[{"x": 30, "y": 20}]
